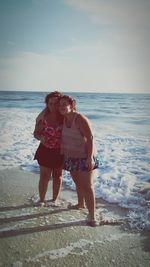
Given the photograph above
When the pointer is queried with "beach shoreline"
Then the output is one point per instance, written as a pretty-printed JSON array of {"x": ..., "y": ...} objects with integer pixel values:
[{"x": 56, "y": 236}]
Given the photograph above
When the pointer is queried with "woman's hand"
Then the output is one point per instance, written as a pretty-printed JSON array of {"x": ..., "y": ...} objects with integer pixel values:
[
  {"x": 42, "y": 139},
  {"x": 90, "y": 163}
]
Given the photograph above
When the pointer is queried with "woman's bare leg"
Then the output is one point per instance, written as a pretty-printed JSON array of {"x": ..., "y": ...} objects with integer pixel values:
[
  {"x": 86, "y": 183},
  {"x": 57, "y": 183},
  {"x": 80, "y": 194},
  {"x": 45, "y": 174}
]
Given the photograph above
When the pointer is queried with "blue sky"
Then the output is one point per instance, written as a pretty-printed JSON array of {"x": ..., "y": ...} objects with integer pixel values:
[{"x": 75, "y": 45}]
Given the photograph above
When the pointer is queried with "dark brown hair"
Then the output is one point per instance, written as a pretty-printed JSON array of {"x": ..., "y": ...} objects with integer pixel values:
[
  {"x": 70, "y": 100},
  {"x": 53, "y": 94}
]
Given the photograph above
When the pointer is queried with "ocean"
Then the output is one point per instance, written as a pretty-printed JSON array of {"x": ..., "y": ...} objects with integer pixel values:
[{"x": 121, "y": 127}]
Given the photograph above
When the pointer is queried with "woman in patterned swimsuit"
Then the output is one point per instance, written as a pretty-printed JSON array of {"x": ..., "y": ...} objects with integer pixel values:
[{"x": 48, "y": 130}]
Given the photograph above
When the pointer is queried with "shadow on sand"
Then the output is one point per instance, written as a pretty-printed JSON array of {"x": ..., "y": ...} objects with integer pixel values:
[{"x": 47, "y": 227}]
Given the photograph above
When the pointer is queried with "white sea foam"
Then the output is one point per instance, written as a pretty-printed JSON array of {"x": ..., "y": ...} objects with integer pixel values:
[{"x": 17, "y": 142}]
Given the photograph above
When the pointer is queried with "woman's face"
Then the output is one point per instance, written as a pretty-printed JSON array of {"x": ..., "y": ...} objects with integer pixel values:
[
  {"x": 64, "y": 107},
  {"x": 53, "y": 104}
]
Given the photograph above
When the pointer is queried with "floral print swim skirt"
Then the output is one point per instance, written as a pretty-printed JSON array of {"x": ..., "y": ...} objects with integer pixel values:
[{"x": 78, "y": 164}]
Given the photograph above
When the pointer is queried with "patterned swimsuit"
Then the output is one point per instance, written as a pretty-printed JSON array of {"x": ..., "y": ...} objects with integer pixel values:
[
  {"x": 52, "y": 135},
  {"x": 48, "y": 152}
]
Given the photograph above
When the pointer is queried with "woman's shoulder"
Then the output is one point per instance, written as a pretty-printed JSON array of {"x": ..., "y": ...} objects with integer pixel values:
[{"x": 81, "y": 117}]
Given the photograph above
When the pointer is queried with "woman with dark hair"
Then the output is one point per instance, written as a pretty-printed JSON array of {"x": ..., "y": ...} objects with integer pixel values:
[
  {"x": 48, "y": 130},
  {"x": 80, "y": 159}
]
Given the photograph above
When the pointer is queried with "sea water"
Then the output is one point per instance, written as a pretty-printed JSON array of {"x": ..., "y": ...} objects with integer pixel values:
[{"x": 121, "y": 127}]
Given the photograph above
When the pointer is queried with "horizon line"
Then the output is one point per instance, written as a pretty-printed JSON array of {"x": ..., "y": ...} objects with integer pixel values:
[{"x": 41, "y": 91}]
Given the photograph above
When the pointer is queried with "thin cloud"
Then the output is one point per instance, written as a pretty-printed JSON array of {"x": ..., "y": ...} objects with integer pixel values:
[
  {"x": 133, "y": 13},
  {"x": 115, "y": 59},
  {"x": 30, "y": 71}
]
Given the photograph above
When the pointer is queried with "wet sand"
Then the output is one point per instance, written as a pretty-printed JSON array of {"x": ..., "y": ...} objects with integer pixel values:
[{"x": 56, "y": 236}]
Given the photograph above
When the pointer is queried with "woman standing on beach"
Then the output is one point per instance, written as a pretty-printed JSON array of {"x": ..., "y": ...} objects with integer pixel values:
[
  {"x": 77, "y": 146},
  {"x": 48, "y": 130}
]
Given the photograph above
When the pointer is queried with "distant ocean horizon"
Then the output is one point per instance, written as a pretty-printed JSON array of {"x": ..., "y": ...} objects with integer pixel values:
[{"x": 121, "y": 126}]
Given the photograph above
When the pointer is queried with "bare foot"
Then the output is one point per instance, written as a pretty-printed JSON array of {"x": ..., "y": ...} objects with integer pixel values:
[
  {"x": 92, "y": 223},
  {"x": 75, "y": 207},
  {"x": 53, "y": 203}
]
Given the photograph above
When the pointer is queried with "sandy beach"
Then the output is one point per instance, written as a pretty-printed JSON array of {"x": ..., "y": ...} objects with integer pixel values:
[{"x": 56, "y": 236}]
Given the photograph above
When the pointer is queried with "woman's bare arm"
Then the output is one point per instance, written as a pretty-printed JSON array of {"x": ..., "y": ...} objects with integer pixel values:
[
  {"x": 84, "y": 126},
  {"x": 41, "y": 115},
  {"x": 38, "y": 130}
]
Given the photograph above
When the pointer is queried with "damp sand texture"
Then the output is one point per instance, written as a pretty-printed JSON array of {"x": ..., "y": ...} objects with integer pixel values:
[{"x": 32, "y": 236}]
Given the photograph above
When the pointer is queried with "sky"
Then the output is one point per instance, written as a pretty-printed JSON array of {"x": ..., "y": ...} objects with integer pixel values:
[{"x": 75, "y": 45}]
